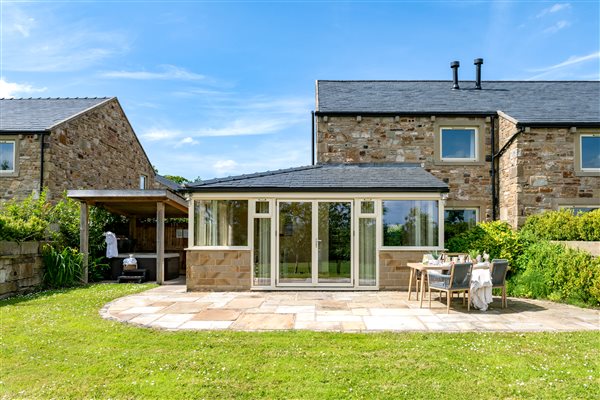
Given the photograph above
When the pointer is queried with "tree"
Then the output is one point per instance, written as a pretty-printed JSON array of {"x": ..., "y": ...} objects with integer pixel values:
[{"x": 177, "y": 179}]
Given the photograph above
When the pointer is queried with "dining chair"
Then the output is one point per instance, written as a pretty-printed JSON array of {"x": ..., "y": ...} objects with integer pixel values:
[
  {"x": 459, "y": 280},
  {"x": 498, "y": 273}
]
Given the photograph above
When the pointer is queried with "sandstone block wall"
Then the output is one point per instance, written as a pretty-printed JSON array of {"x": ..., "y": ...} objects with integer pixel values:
[
  {"x": 538, "y": 173},
  {"x": 343, "y": 139},
  {"x": 218, "y": 270},
  {"x": 21, "y": 267},
  {"x": 393, "y": 272},
  {"x": 96, "y": 150}
]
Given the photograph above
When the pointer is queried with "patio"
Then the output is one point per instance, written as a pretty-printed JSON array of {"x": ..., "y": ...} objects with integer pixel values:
[{"x": 171, "y": 307}]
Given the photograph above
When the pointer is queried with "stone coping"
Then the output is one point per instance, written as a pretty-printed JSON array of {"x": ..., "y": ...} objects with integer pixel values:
[{"x": 172, "y": 308}]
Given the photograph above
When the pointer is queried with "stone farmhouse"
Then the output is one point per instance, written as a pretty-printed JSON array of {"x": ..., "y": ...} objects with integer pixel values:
[
  {"x": 69, "y": 143},
  {"x": 397, "y": 161}
]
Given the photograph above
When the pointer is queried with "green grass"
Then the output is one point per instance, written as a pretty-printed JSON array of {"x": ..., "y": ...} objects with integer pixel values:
[{"x": 55, "y": 345}]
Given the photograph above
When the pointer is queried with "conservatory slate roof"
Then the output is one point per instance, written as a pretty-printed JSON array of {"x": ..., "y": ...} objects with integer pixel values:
[
  {"x": 330, "y": 178},
  {"x": 528, "y": 102},
  {"x": 42, "y": 114}
]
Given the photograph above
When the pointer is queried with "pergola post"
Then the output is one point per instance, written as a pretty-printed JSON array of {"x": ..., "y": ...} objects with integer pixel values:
[
  {"x": 84, "y": 239},
  {"x": 160, "y": 242}
]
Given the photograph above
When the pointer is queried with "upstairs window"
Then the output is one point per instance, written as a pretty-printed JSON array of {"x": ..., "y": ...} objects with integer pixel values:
[
  {"x": 590, "y": 152},
  {"x": 142, "y": 181},
  {"x": 7, "y": 156},
  {"x": 458, "y": 144}
]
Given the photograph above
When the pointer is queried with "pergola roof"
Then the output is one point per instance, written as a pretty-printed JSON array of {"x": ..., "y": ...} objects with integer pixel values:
[{"x": 139, "y": 203}]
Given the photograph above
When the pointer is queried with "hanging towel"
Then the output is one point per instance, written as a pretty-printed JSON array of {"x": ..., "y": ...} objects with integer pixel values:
[{"x": 111, "y": 245}]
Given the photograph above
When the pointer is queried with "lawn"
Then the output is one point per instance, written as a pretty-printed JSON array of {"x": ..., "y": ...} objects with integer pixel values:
[{"x": 55, "y": 345}]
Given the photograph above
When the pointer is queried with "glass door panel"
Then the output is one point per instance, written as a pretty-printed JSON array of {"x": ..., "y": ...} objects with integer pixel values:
[
  {"x": 334, "y": 242},
  {"x": 262, "y": 251},
  {"x": 295, "y": 242},
  {"x": 367, "y": 252}
]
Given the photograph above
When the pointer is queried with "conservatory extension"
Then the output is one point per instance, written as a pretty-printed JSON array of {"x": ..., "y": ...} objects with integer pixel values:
[{"x": 327, "y": 226}]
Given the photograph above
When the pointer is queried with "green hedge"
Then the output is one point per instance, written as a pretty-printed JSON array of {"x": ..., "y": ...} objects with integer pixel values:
[
  {"x": 497, "y": 238},
  {"x": 564, "y": 225},
  {"x": 552, "y": 271}
]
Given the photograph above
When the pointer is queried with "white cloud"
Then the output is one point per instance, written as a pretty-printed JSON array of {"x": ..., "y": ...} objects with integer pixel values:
[
  {"x": 222, "y": 167},
  {"x": 168, "y": 72},
  {"x": 553, "y": 9},
  {"x": 186, "y": 141},
  {"x": 55, "y": 45},
  {"x": 570, "y": 61},
  {"x": 570, "y": 68},
  {"x": 155, "y": 134},
  {"x": 12, "y": 89},
  {"x": 249, "y": 126},
  {"x": 557, "y": 26}
]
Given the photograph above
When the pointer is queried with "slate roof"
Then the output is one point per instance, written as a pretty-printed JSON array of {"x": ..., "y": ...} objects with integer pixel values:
[
  {"x": 37, "y": 115},
  {"x": 330, "y": 178},
  {"x": 529, "y": 102}
]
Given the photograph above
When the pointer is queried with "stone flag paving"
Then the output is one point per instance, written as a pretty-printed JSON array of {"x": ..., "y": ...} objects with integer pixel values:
[{"x": 172, "y": 308}]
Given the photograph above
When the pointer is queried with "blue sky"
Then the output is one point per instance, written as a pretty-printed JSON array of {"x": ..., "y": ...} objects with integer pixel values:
[{"x": 223, "y": 88}]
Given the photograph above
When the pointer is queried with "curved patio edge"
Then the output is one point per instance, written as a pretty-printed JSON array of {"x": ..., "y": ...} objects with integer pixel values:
[{"x": 172, "y": 308}]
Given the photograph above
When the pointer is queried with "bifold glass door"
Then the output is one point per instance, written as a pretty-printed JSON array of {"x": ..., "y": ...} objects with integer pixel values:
[
  {"x": 315, "y": 243},
  {"x": 334, "y": 242},
  {"x": 295, "y": 242}
]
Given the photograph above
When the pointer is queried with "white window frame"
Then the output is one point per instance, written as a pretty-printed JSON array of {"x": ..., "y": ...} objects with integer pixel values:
[
  {"x": 192, "y": 230},
  {"x": 454, "y": 128},
  {"x": 252, "y": 215},
  {"x": 143, "y": 181},
  {"x": 14, "y": 157},
  {"x": 440, "y": 245},
  {"x": 582, "y": 168}
]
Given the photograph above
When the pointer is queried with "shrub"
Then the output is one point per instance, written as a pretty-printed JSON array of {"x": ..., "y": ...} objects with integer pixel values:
[
  {"x": 497, "y": 238},
  {"x": 62, "y": 268},
  {"x": 19, "y": 230},
  {"x": 564, "y": 225},
  {"x": 589, "y": 225},
  {"x": 552, "y": 271}
]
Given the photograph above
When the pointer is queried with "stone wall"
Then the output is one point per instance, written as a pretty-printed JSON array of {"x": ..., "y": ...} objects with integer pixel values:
[
  {"x": 538, "y": 173},
  {"x": 20, "y": 267},
  {"x": 218, "y": 270},
  {"x": 26, "y": 178},
  {"x": 96, "y": 150},
  {"x": 508, "y": 174},
  {"x": 393, "y": 272},
  {"x": 343, "y": 139}
]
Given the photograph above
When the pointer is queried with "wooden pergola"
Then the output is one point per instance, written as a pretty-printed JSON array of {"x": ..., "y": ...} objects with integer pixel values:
[{"x": 159, "y": 204}]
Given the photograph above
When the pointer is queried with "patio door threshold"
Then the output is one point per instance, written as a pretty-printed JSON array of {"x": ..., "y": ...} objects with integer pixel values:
[{"x": 314, "y": 289}]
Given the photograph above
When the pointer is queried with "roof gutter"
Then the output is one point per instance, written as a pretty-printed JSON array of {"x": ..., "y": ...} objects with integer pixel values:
[{"x": 404, "y": 112}]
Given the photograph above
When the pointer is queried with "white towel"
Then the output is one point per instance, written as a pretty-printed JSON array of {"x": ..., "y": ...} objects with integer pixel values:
[{"x": 111, "y": 245}]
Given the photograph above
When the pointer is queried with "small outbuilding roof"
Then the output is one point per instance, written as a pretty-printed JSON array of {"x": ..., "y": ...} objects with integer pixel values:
[
  {"x": 136, "y": 202},
  {"x": 330, "y": 178},
  {"x": 38, "y": 115},
  {"x": 528, "y": 102}
]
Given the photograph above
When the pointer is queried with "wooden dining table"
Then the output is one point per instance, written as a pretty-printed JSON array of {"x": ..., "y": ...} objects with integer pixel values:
[{"x": 414, "y": 267}]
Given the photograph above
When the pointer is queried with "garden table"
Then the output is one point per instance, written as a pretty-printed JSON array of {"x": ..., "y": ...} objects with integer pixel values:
[{"x": 481, "y": 282}]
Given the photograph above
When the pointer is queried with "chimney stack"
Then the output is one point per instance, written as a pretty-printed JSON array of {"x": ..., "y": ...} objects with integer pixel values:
[
  {"x": 454, "y": 65},
  {"x": 478, "y": 62}
]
